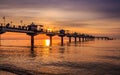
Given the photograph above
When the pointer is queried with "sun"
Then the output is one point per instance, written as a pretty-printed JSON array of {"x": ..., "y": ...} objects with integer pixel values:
[
  {"x": 49, "y": 30},
  {"x": 47, "y": 42}
]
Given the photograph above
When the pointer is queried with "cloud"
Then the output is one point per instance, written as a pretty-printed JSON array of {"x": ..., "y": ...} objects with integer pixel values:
[
  {"x": 104, "y": 8},
  {"x": 107, "y": 8},
  {"x": 74, "y": 13},
  {"x": 72, "y": 24}
]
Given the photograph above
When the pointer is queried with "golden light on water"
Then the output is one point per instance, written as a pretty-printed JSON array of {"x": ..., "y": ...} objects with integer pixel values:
[
  {"x": 47, "y": 42},
  {"x": 49, "y": 30}
]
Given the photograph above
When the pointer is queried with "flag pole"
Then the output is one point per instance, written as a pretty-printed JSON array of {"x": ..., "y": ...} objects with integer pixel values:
[
  {"x": 4, "y": 19},
  {"x": 11, "y": 22},
  {"x": 21, "y": 22}
]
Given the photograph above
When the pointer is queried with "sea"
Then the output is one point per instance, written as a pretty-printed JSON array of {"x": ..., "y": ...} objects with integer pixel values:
[{"x": 93, "y": 57}]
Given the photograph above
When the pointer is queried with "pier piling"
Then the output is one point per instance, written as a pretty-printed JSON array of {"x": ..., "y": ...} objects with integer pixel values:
[
  {"x": 79, "y": 39},
  {"x": 75, "y": 35},
  {"x": 62, "y": 35},
  {"x": 50, "y": 40},
  {"x": 75, "y": 40},
  {"x": 62, "y": 41},
  {"x": 82, "y": 39},
  {"x": 50, "y": 34},
  {"x": 32, "y": 41},
  {"x": 69, "y": 39}
]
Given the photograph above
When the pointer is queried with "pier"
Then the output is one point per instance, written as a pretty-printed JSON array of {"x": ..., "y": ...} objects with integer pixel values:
[{"x": 32, "y": 30}]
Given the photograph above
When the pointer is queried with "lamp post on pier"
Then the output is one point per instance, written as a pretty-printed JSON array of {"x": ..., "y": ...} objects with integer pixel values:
[
  {"x": 21, "y": 22},
  {"x": 11, "y": 22},
  {"x": 4, "y": 19}
]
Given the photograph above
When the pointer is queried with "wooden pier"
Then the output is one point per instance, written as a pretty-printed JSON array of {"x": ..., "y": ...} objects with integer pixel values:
[{"x": 33, "y": 30}]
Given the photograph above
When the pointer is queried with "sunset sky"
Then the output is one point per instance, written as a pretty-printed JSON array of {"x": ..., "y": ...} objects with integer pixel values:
[{"x": 85, "y": 16}]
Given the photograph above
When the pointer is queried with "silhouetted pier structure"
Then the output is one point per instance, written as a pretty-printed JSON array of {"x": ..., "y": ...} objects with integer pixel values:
[
  {"x": 103, "y": 38},
  {"x": 33, "y": 30}
]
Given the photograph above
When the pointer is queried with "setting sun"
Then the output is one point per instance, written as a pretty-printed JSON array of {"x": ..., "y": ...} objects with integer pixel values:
[
  {"x": 47, "y": 42},
  {"x": 49, "y": 30}
]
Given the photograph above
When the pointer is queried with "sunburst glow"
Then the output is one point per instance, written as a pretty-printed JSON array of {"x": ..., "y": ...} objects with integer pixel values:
[{"x": 47, "y": 42}]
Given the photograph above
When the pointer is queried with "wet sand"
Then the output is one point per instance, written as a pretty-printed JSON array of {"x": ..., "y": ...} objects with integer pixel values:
[
  {"x": 82, "y": 68},
  {"x": 6, "y": 73},
  {"x": 13, "y": 70}
]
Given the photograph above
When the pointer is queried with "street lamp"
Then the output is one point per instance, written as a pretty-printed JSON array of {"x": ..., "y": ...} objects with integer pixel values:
[
  {"x": 21, "y": 22},
  {"x": 4, "y": 19}
]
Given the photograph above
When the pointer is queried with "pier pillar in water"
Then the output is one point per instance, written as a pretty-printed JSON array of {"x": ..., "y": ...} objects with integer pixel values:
[
  {"x": 32, "y": 41},
  {"x": 82, "y": 39},
  {"x": 75, "y": 39},
  {"x": 75, "y": 35},
  {"x": 69, "y": 36},
  {"x": 62, "y": 34},
  {"x": 62, "y": 41},
  {"x": 50, "y": 40},
  {"x": 50, "y": 34},
  {"x": 79, "y": 39},
  {"x": 79, "y": 36},
  {"x": 85, "y": 38},
  {"x": 69, "y": 39}
]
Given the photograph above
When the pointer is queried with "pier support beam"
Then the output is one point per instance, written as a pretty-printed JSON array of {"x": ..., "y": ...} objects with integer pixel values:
[
  {"x": 50, "y": 40},
  {"x": 75, "y": 35},
  {"x": 79, "y": 39},
  {"x": 83, "y": 39},
  {"x": 61, "y": 34},
  {"x": 62, "y": 41},
  {"x": 32, "y": 41},
  {"x": 75, "y": 40},
  {"x": 86, "y": 38},
  {"x": 69, "y": 39},
  {"x": 50, "y": 34}
]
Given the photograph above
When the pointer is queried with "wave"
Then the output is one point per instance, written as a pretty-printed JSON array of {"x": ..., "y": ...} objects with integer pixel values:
[{"x": 21, "y": 71}]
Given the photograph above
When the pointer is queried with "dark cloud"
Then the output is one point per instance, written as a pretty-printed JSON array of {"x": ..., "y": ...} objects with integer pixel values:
[
  {"x": 107, "y": 8},
  {"x": 104, "y": 8},
  {"x": 72, "y": 24}
]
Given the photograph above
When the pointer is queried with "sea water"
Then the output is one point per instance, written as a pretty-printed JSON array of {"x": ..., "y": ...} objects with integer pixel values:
[{"x": 96, "y": 57}]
